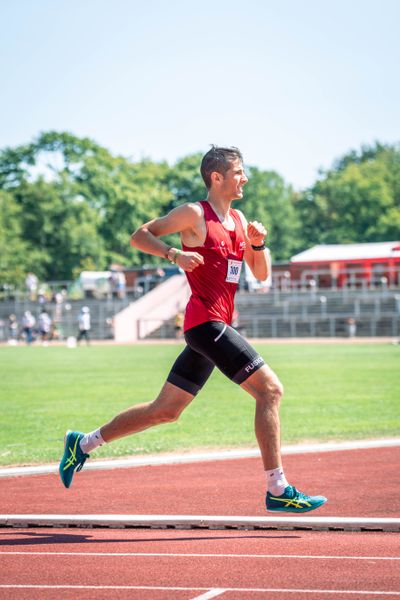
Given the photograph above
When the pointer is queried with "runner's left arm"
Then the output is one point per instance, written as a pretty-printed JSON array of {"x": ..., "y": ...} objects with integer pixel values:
[{"x": 258, "y": 261}]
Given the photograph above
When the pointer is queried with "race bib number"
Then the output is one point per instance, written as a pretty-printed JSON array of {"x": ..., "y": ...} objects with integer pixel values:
[{"x": 233, "y": 272}]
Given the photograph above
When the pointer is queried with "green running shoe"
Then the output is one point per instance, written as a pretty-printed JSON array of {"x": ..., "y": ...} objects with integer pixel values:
[
  {"x": 73, "y": 457},
  {"x": 293, "y": 501}
]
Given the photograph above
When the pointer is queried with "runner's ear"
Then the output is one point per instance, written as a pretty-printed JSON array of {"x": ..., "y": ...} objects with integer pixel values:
[{"x": 216, "y": 177}]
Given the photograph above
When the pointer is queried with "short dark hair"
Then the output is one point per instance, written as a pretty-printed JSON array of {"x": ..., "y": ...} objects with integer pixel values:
[{"x": 218, "y": 159}]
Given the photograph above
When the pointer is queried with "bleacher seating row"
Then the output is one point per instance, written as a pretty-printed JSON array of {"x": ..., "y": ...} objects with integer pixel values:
[{"x": 331, "y": 313}]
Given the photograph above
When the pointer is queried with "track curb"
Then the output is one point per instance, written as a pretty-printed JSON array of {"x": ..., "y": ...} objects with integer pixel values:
[{"x": 357, "y": 524}]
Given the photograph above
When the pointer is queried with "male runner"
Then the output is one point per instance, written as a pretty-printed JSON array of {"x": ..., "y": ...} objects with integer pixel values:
[{"x": 215, "y": 240}]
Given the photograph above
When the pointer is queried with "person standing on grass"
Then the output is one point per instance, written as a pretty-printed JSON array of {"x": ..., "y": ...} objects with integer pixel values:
[
  {"x": 84, "y": 324},
  {"x": 44, "y": 322},
  {"x": 28, "y": 324},
  {"x": 215, "y": 240}
]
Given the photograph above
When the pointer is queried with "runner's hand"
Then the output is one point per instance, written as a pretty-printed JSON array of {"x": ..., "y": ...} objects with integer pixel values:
[
  {"x": 188, "y": 261},
  {"x": 256, "y": 233}
]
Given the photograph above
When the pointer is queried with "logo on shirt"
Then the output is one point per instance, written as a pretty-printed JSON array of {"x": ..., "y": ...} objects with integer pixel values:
[{"x": 242, "y": 245}]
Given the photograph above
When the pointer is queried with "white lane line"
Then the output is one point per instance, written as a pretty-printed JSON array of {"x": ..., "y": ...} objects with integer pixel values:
[
  {"x": 189, "y": 457},
  {"x": 195, "y": 589},
  {"x": 210, "y": 594},
  {"x": 194, "y": 555}
]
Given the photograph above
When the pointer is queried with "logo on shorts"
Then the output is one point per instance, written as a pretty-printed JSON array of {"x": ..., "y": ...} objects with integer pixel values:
[{"x": 257, "y": 361}]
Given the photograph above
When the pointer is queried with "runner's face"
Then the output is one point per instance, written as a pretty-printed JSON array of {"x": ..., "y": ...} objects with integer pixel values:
[{"x": 234, "y": 180}]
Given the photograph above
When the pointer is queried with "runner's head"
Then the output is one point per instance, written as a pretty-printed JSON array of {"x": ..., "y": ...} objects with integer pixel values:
[{"x": 218, "y": 160}]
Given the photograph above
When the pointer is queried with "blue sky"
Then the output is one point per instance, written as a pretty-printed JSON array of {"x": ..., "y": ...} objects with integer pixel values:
[{"x": 293, "y": 84}]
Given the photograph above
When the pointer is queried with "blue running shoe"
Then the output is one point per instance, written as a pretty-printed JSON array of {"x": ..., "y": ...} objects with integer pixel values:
[
  {"x": 73, "y": 457},
  {"x": 293, "y": 501}
]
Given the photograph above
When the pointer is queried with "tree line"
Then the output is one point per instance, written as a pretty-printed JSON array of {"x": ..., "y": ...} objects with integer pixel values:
[{"x": 67, "y": 204}]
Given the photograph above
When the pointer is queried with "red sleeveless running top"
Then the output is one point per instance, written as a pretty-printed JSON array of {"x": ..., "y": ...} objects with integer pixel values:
[{"x": 214, "y": 284}]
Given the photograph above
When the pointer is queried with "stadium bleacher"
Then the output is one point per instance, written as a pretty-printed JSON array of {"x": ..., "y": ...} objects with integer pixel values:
[{"x": 324, "y": 312}]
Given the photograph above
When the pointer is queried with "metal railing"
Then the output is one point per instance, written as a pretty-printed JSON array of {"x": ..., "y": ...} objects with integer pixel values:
[
  {"x": 380, "y": 277},
  {"x": 305, "y": 312}
]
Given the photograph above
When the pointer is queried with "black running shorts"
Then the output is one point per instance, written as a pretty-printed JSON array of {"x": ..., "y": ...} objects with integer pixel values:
[{"x": 213, "y": 344}]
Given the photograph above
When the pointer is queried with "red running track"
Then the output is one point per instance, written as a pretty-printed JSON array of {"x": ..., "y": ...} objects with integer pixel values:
[
  {"x": 357, "y": 483},
  {"x": 154, "y": 564},
  {"x": 146, "y": 560}
]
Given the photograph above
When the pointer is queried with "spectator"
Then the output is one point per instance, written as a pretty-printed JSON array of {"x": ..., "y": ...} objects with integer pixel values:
[
  {"x": 351, "y": 327},
  {"x": 179, "y": 320},
  {"x": 44, "y": 326},
  {"x": 58, "y": 298},
  {"x": 32, "y": 283},
  {"x": 113, "y": 281},
  {"x": 160, "y": 273},
  {"x": 55, "y": 331},
  {"x": 121, "y": 285},
  {"x": 28, "y": 323},
  {"x": 110, "y": 328},
  {"x": 12, "y": 329},
  {"x": 2, "y": 330},
  {"x": 84, "y": 324}
]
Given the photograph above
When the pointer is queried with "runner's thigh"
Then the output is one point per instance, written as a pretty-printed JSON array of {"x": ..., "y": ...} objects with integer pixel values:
[{"x": 226, "y": 348}]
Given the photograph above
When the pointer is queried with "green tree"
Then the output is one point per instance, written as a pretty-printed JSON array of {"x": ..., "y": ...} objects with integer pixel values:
[
  {"x": 13, "y": 248},
  {"x": 357, "y": 201},
  {"x": 124, "y": 194},
  {"x": 67, "y": 203},
  {"x": 60, "y": 230},
  {"x": 79, "y": 203},
  {"x": 135, "y": 193}
]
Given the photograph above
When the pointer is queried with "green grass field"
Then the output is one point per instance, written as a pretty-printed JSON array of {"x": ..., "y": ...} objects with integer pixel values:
[{"x": 332, "y": 392}]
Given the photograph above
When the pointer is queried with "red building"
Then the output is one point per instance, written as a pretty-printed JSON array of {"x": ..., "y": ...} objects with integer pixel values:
[{"x": 340, "y": 265}]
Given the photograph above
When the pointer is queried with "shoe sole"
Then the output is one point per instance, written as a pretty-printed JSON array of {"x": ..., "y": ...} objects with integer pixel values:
[{"x": 297, "y": 510}]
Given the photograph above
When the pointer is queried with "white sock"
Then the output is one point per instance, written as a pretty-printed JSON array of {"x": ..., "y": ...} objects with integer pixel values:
[
  {"x": 91, "y": 441},
  {"x": 276, "y": 481}
]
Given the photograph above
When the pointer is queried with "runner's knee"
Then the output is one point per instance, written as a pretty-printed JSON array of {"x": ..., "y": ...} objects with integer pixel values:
[
  {"x": 264, "y": 386},
  {"x": 167, "y": 414},
  {"x": 272, "y": 392},
  {"x": 278, "y": 390}
]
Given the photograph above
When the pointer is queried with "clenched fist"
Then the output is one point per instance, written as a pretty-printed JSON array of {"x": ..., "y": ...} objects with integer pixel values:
[
  {"x": 188, "y": 261},
  {"x": 256, "y": 233}
]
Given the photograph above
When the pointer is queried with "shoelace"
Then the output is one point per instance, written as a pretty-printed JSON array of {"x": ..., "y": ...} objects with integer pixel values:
[
  {"x": 73, "y": 460},
  {"x": 298, "y": 495}
]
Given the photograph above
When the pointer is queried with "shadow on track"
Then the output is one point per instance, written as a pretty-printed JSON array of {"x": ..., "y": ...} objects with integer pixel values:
[{"x": 39, "y": 538}]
